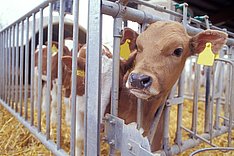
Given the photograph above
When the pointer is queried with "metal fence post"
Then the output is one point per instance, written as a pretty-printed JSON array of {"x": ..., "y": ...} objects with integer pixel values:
[
  {"x": 92, "y": 113},
  {"x": 74, "y": 76}
]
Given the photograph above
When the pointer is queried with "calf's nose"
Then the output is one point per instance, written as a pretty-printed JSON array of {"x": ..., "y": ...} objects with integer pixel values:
[{"x": 140, "y": 81}]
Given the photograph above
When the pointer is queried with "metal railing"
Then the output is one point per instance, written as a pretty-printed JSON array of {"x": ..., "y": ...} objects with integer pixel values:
[{"x": 17, "y": 62}]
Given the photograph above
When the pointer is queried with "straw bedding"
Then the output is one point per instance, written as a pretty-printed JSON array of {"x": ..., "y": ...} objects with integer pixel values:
[{"x": 17, "y": 140}]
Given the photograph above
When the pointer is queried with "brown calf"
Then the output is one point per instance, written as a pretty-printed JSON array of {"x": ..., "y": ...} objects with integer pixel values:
[{"x": 162, "y": 50}]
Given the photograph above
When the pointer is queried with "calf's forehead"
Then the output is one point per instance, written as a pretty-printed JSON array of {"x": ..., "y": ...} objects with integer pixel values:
[{"x": 163, "y": 31}]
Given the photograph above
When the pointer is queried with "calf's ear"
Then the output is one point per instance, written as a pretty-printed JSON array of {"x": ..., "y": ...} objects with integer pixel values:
[
  {"x": 132, "y": 36},
  {"x": 125, "y": 65},
  {"x": 198, "y": 42},
  {"x": 81, "y": 63}
]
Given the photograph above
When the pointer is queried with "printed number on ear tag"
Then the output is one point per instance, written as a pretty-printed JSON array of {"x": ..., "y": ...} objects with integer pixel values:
[
  {"x": 54, "y": 49},
  {"x": 206, "y": 57},
  {"x": 125, "y": 50}
]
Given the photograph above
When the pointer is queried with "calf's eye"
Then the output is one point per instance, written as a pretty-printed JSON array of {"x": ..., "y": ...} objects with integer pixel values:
[{"x": 178, "y": 52}]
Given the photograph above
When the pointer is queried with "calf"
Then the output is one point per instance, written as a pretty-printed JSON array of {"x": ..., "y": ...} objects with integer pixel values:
[
  {"x": 54, "y": 76},
  {"x": 162, "y": 50},
  {"x": 106, "y": 82}
]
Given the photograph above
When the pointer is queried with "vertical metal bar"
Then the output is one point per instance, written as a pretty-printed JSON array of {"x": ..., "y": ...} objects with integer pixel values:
[
  {"x": 60, "y": 53},
  {"x": 17, "y": 69},
  {"x": 26, "y": 70},
  {"x": 1, "y": 65},
  {"x": 21, "y": 67},
  {"x": 74, "y": 76},
  {"x": 207, "y": 94},
  {"x": 115, "y": 71},
  {"x": 6, "y": 57},
  {"x": 13, "y": 67},
  {"x": 1, "y": 59},
  {"x": 231, "y": 108},
  {"x": 178, "y": 139},
  {"x": 139, "y": 113},
  {"x": 40, "y": 70},
  {"x": 93, "y": 66},
  {"x": 4, "y": 65},
  {"x": 212, "y": 105},
  {"x": 220, "y": 72},
  {"x": 140, "y": 104},
  {"x": 9, "y": 67},
  {"x": 32, "y": 70},
  {"x": 49, "y": 40},
  {"x": 195, "y": 99}
]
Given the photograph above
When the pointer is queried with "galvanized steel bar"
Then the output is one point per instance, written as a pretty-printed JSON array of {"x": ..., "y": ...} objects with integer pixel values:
[
  {"x": 17, "y": 69},
  {"x": 195, "y": 98},
  {"x": 6, "y": 67},
  {"x": 40, "y": 70},
  {"x": 48, "y": 143},
  {"x": 9, "y": 66},
  {"x": 207, "y": 92},
  {"x": 1, "y": 65},
  {"x": 212, "y": 103},
  {"x": 140, "y": 114},
  {"x": 32, "y": 70},
  {"x": 223, "y": 149},
  {"x": 219, "y": 90},
  {"x": 139, "y": 16},
  {"x": 178, "y": 139},
  {"x": 74, "y": 76},
  {"x": 13, "y": 67},
  {"x": 115, "y": 69},
  {"x": 34, "y": 10},
  {"x": 231, "y": 109},
  {"x": 93, "y": 66},
  {"x": 49, "y": 45},
  {"x": 175, "y": 149},
  {"x": 60, "y": 54},
  {"x": 21, "y": 67},
  {"x": 26, "y": 61},
  {"x": 115, "y": 72}
]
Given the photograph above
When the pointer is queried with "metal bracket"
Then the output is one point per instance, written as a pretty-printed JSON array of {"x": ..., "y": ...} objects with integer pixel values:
[{"x": 126, "y": 138}]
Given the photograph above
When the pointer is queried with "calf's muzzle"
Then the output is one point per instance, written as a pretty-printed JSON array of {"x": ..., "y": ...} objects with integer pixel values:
[{"x": 140, "y": 81}]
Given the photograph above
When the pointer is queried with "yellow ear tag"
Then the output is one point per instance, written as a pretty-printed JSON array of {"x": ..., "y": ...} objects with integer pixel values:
[
  {"x": 216, "y": 56},
  {"x": 206, "y": 57},
  {"x": 125, "y": 50},
  {"x": 80, "y": 73},
  {"x": 54, "y": 49}
]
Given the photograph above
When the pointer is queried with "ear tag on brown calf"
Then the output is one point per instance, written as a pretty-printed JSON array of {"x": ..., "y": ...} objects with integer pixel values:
[
  {"x": 125, "y": 50},
  {"x": 54, "y": 49},
  {"x": 206, "y": 57},
  {"x": 80, "y": 73}
]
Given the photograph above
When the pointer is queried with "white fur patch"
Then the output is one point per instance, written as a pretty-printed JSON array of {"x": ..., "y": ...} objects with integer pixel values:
[
  {"x": 69, "y": 44},
  {"x": 80, "y": 103}
]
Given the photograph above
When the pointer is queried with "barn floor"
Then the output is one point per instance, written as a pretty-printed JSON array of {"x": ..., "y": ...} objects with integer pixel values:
[{"x": 16, "y": 140}]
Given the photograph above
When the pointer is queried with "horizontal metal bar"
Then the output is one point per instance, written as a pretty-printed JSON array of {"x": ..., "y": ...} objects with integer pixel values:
[
  {"x": 225, "y": 118},
  {"x": 175, "y": 149},
  {"x": 49, "y": 144},
  {"x": 34, "y": 10},
  {"x": 212, "y": 149},
  {"x": 175, "y": 101},
  {"x": 139, "y": 16}
]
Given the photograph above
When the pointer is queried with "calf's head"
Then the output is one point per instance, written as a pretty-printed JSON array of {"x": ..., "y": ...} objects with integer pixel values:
[{"x": 162, "y": 50}]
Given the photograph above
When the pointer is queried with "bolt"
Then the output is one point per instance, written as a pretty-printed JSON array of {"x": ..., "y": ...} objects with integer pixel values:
[
  {"x": 129, "y": 147},
  {"x": 112, "y": 122},
  {"x": 112, "y": 142}
]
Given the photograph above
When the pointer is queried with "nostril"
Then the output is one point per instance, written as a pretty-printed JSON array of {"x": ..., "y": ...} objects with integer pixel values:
[
  {"x": 146, "y": 81},
  {"x": 140, "y": 81}
]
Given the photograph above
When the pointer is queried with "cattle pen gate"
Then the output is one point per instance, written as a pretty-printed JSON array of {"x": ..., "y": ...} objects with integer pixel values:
[{"x": 17, "y": 45}]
